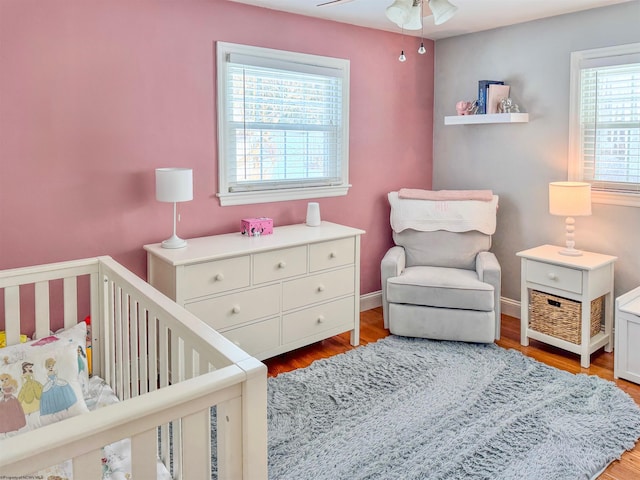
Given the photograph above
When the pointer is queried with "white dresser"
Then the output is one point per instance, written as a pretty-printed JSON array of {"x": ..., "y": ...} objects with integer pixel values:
[
  {"x": 627, "y": 354},
  {"x": 268, "y": 294}
]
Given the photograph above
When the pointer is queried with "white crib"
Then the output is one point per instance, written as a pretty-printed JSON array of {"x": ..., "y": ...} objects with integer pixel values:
[{"x": 166, "y": 366}]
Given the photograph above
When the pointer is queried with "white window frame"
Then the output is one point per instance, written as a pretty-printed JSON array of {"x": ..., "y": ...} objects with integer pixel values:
[
  {"x": 296, "y": 61},
  {"x": 619, "y": 54}
]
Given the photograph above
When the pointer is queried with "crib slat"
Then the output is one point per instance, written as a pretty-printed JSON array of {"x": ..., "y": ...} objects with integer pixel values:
[
  {"x": 126, "y": 357},
  {"x": 177, "y": 374},
  {"x": 143, "y": 455},
  {"x": 153, "y": 352},
  {"x": 134, "y": 358},
  {"x": 43, "y": 326},
  {"x": 189, "y": 355},
  {"x": 163, "y": 353},
  {"x": 197, "y": 457},
  {"x": 96, "y": 327},
  {"x": 110, "y": 322},
  {"x": 70, "y": 289},
  {"x": 88, "y": 466},
  {"x": 229, "y": 417},
  {"x": 12, "y": 311},
  {"x": 144, "y": 358},
  {"x": 118, "y": 341}
]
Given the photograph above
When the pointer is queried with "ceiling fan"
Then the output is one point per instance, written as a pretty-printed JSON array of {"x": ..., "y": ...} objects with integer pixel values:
[{"x": 407, "y": 14}]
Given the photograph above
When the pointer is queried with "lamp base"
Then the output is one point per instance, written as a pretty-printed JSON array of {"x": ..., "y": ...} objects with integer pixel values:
[
  {"x": 572, "y": 252},
  {"x": 174, "y": 242}
]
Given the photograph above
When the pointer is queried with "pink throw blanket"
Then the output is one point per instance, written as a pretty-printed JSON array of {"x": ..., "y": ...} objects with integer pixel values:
[{"x": 440, "y": 195}]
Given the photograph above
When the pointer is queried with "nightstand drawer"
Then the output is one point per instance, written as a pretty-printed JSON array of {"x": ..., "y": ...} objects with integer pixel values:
[
  {"x": 257, "y": 337},
  {"x": 331, "y": 254},
  {"x": 317, "y": 288},
  {"x": 217, "y": 276},
  {"x": 317, "y": 319},
  {"x": 236, "y": 308},
  {"x": 279, "y": 264},
  {"x": 555, "y": 276}
]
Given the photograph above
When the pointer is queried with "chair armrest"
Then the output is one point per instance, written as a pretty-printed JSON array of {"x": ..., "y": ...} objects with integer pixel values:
[
  {"x": 393, "y": 262},
  {"x": 489, "y": 271},
  {"x": 392, "y": 265},
  {"x": 487, "y": 266}
]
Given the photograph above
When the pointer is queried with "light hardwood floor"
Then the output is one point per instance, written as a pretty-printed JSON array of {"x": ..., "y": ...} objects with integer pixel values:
[{"x": 371, "y": 329}]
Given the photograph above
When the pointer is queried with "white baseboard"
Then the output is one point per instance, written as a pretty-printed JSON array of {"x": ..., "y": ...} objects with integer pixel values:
[
  {"x": 510, "y": 307},
  {"x": 370, "y": 300},
  {"x": 374, "y": 299}
]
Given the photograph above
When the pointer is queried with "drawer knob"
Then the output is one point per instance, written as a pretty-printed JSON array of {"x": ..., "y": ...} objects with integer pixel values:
[
  {"x": 332, "y": 255},
  {"x": 219, "y": 277},
  {"x": 320, "y": 319},
  {"x": 321, "y": 288},
  {"x": 235, "y": 309},
  {"x": 282, "y": 264},
  {"x": 552, "y": 276}
]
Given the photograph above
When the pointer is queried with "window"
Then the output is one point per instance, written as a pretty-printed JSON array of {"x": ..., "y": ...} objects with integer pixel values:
[
  {"x": 605, "y": 122},
  {"x": 283, "y": 123}
]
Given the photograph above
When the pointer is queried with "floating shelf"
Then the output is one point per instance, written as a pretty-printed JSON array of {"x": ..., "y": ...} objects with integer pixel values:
[{"x": 487, "y": 118}]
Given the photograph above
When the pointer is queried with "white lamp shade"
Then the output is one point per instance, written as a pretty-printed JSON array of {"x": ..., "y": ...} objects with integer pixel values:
[
  {"x": 442, "y": 11},
  {"x": 398, "y": 12},
  {"x": 174, "y": 184},
  {"x": 570, "y": 199},
  {"x": 414, "y": 21}
]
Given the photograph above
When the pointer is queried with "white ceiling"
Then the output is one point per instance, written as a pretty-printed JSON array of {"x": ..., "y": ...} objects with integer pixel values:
[{"x": 472, "y": 15}]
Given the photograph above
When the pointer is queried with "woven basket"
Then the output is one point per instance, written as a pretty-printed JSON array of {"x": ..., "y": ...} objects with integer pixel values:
[{"x": 560, "y": 317}]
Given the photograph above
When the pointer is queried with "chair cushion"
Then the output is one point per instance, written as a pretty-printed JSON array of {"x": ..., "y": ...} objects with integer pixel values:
[
  {"x": 440, "y": 287},
  {"x": 442, "y": 248}
]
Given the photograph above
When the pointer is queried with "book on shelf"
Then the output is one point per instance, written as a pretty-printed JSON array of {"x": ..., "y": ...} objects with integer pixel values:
[
  {"x": 483, "y": 88},
  {"x": 495, "y": 94}
]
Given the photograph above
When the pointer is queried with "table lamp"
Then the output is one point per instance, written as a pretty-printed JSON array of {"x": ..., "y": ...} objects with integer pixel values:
[
  {"x": 174, "y": 185},
  {"x": 570, "y": 199}
]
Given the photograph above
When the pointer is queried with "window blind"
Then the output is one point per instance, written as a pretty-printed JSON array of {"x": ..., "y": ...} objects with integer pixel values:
[
  {"x": 610, "y": 126},
  {"x": 284, "y": 124}
]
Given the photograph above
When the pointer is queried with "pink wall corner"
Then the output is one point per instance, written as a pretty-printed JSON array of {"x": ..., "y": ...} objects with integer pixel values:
[{"x": 95, "y": 95}]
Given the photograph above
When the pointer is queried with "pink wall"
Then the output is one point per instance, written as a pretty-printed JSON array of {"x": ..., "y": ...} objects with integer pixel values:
[{"x": 94, "y": 95}]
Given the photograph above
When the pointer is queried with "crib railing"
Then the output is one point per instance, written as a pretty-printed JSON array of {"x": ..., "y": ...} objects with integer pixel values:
[{"x": 167, "y": 366}]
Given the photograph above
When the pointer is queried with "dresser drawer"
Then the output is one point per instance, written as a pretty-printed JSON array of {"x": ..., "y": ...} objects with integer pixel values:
[
  {"x": 555, "y": 276},
  {"x": 236, "y": 308},
  {"x": 317, "y": 288},
  {"x": 311, "y": 321},
  {"x": 217, "y": 276},
  {"x": 257, "y": 337},
  {"x": 279, "y": 264},
  {"x": 331, "y": 254}
]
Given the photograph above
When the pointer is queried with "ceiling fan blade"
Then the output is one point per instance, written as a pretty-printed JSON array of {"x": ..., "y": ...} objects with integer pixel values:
[{"x": 333, "y": 2}]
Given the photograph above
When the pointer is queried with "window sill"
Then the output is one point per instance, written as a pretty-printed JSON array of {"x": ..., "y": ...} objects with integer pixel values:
[
  {"x": 266, "y": 196},
  {"x": 614, "y": 198}
]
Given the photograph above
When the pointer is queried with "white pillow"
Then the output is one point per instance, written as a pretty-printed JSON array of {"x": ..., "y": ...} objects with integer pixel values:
[{"x": 42, "y": 381}]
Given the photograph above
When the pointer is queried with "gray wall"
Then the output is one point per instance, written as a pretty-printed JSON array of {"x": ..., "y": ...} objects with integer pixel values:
[{"x": 518, "y": 161}]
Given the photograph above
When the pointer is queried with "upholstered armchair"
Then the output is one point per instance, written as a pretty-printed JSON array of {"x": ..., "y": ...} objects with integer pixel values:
[{"x": 440, "y": 281}]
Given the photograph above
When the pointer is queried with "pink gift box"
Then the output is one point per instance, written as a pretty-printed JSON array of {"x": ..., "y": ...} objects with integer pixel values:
[{"x": 256, "y": 226}]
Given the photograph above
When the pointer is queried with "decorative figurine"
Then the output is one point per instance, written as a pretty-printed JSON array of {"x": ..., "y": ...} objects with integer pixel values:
[
  {"x": 507, "y": 105},
  {"x": 462, "y": 107}
]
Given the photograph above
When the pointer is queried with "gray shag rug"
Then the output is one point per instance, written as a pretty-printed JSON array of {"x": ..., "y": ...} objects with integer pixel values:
[{"x": 406, "y": 408}]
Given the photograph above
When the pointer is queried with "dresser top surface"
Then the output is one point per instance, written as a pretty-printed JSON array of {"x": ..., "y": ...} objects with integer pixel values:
[{"x": 234, "y": 244}]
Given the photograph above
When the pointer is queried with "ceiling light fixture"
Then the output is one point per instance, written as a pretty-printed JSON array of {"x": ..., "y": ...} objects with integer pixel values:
[
  {"x": 407, "y": 14},
  {"x": 442, "y": 10}
]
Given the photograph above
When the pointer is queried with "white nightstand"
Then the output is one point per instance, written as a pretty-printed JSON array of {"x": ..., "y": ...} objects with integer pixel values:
[
  {"x": 582, "y": 279},
  {"x": 627, "y": 356}
]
